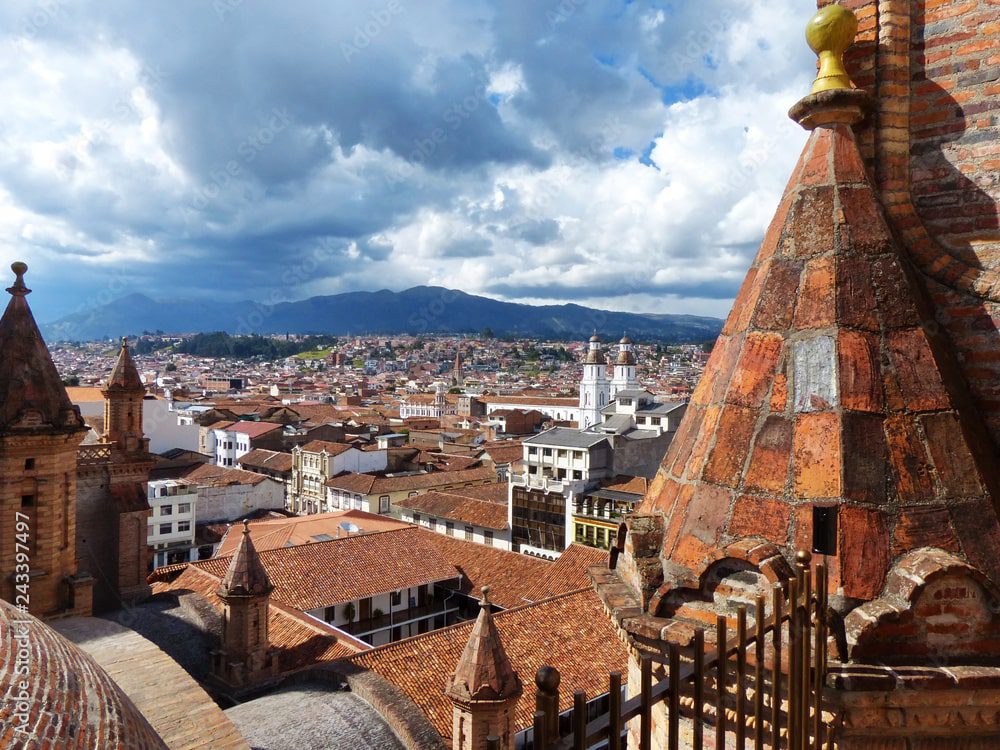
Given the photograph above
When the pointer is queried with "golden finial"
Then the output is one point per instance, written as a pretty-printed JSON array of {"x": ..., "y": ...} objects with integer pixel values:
[
  {"x": 829, "y": 33},
  {"x": 19, "y": 289}
]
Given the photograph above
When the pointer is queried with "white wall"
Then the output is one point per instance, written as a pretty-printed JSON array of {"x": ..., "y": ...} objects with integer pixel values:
[
  {"x": 360, "y": 462},
  {"x": 236, "y": 500},
  {"x": 159, "y": 424}
]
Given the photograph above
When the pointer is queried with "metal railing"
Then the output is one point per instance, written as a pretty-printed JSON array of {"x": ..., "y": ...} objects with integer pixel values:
[{"x": 763, "y": 684}]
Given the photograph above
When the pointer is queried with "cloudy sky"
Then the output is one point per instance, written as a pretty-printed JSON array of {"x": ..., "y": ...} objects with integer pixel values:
[{"x": 621, "y": 154}]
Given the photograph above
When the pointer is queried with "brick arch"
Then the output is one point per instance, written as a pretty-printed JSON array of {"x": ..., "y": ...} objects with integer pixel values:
[
  {"x": 750, "y": 554},
  {"x": 935, "y": 607}
]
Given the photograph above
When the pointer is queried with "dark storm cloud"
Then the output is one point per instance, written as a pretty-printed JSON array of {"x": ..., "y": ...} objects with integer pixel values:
[{"x": 207, "y": 146}]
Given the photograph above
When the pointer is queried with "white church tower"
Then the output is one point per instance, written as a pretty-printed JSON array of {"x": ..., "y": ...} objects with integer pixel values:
[
  {"x": 595, "y": 391},
  {"x": 625, "y": 377}
]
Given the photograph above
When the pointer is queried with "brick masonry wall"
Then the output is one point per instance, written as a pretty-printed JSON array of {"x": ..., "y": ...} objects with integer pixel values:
[{"x": 933, "y": 146}]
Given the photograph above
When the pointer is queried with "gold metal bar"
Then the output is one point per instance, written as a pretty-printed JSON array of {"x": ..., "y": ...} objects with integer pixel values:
[
  {"x": 794, "y": 670},
  {"x": 758, "y": 676},
  {"x": 778, "y": 601},
  {"x": 615, "y": 711},
  {"x": 699, "y": 689},
  {"x": 646, "y": 715},
  {"x": 741, "y": 678},
  {"x": 673, "y": 720},
  {"x": 579, "y": 720},
  {"x": 820, "y": 663},
  {"x": 721, "y": 662},
  {"x": 805, "y": 662}
]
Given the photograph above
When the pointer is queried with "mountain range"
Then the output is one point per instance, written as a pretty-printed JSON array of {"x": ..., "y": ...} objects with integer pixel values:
[{"x": 422, "y": 309}]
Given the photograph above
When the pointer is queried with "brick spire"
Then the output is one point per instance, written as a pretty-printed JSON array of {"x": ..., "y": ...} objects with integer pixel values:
[
  {"x": 484, "y": 672},
  {"x": 246, "y": 575},
  {"x": 32, "y": 395},
  {"x": 831, "y": 387},
  {"x": 125, "y": 376}
]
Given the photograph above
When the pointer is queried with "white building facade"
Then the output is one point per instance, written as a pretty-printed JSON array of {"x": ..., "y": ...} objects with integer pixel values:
[{"x": 171, "y": 532}]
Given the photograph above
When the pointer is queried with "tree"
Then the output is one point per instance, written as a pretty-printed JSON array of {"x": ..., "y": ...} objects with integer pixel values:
[
  {"x": 487, "y": 333},
  {"x": 171, "y": 367},
  {"x": 72, "y": 381},
  {"x": 349, "y": 612}
]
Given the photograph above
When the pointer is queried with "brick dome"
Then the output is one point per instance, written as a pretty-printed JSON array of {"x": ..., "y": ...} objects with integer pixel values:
[{"x": 63, "y": 692}]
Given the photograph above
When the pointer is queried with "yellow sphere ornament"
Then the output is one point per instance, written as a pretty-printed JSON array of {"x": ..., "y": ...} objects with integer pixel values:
[{"x": 829, "y": 33}]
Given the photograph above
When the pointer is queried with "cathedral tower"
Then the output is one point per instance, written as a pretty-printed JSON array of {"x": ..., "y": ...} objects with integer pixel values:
[
  {"x": 625, "y": 377},
  {"x": 40, "y": 432},
  {"x": 595, "y": 391}
]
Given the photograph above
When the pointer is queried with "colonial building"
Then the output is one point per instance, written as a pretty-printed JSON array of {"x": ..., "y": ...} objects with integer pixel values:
[{"x": 314, "y": 463}]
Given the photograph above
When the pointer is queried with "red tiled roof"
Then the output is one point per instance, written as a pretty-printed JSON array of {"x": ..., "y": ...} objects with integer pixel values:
[
  {"x": 310, "y": 576},
  {"x": 495, "y": 492},
  {"x": 456, "y": 508},
  {"x": 272, "y": 533},
  {"x": 259, "y": 458},
  {"x": 333, "y": 449},
  {"x": 254, "y": 429},
  {"x": 369, "y": 484},
  {"x": 300, "y": 640},
  {"x": 570, "y": 632},
  {"x": 515, "y": 579}
]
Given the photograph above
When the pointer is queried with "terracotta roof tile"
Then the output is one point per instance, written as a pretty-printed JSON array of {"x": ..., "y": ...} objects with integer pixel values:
[
  {"x": 317, "y": 575},
  {"x": 456, "y": 508},
  {"x": 569, "y": 632}
]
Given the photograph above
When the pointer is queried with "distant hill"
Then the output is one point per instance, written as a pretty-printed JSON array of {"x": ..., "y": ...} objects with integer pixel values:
[{"x": 422, "y": 309}]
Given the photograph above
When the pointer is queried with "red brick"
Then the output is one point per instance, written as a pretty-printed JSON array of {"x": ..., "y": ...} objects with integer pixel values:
[
  {"x": 779, "y": 393},
  {"x": 761, "y": 516},
  {"x": 860, "y": 375},
  {"x": 923, "y": 527},
  {"x": 864, "y": 551},
  {"x": 816, "y": 306},
  {"x": 847, "y": 164},
  {"x": 768, "y": 469},
  {"x": 908, "y": 459},
  {"x": 732, "y": 444},
  {"x": 855, "y": 296},
  {"x": 777, "y": 301},
  {"x": 864, "y": 458},
  {"x": 817, "y": 455},
  {"x": 869, "y": 234},
  {"x": 956, "y": 469},
  {"x": 753, "y": 374},
  {"x": 916, "y": 370},
  {"x": 813, "y": 227},
  {"x": 703, "y": 525}
]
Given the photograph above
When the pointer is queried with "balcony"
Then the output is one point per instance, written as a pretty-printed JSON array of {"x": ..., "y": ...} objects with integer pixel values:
[
  {"x": 94, "y": 454},
  {"x": 371, "y": 624}
]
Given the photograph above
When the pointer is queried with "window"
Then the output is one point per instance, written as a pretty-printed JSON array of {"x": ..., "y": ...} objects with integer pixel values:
[
  {"x": 416, "y": 518},
  {"x": 396, "y": 598},
  {"x": 654, "y": 420},
  {"x": 488, "y": 538},
  {"x": 29, "y": 464},
  {"x": 166, "y": 510},
  {"x": 383, "y": 504},
  {"x": 640, "y": 420},
  {"x": 468, "y": 532},
  {"x": 184, "y": 526},
  {"x": 166, "y": 528},
  {"x": 449, "y": 528},
  {"x": 184, "y": 507},
  {"x": 532, "y": 451},
  {"x": 27, "y": 501},
  {"x": 546, "y": 451},
  {"x": 579, "y": 532},
  {"x": 600, "y": 537}
]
